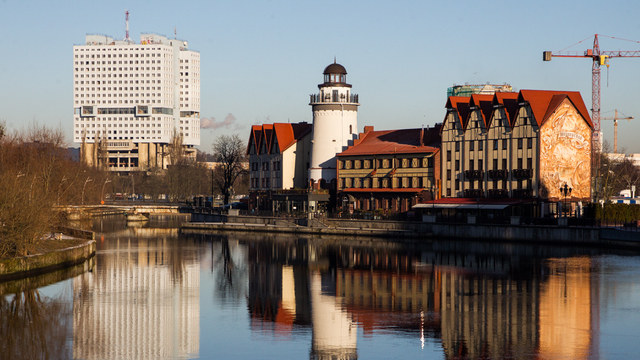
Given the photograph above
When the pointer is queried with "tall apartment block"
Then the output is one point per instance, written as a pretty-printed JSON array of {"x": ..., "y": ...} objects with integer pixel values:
[{"x": 130, "y": 98}]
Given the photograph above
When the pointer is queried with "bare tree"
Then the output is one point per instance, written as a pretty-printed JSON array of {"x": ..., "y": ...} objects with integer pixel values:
[{"x": 229, "y": 152}]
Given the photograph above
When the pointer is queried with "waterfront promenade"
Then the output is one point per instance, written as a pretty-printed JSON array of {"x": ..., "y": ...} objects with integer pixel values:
[{"x": 416, "y": 231}]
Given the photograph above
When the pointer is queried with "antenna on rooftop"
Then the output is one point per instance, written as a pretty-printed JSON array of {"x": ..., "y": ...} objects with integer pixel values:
[
  {"x": 126, "y": 19},
  {"x": 175, "y": 33}
]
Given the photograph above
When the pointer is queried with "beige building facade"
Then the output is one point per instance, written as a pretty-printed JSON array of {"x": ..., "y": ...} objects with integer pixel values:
[{"x": 522, "y": 145}]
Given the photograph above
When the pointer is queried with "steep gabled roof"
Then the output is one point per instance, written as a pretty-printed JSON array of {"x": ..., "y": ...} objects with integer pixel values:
[
  {"x": 285, "y": 135},
  {"x": 461, "y": 105},
  {"x": 510, "y": 103},
  {"x": 267, "y": 132},
  {"x": 289, "y": 134},
  {"x": 402, "y": 141},
  {"x": 255, "y": 137},
  {"x": 484, "y": 104},
  {"x": 544, "y": 102}
]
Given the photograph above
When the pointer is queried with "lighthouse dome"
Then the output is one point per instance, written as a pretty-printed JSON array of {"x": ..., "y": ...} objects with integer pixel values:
[{"x": 335, "y": 69}]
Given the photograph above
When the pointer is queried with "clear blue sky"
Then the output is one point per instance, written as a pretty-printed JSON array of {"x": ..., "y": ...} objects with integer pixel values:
[{"x": 260, "y": 60}]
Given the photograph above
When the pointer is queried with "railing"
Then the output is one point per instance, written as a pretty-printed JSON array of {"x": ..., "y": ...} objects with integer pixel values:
[
  {"x": 498, "y": 194},
  {"x": 522, "y": 194},
  {"x": 522, "y": 173},
  {"x": 473, "y": 174},
  {"x": 498, "y": 174},
  {"x": 473, "y": 193},
  {"x": 328, "y": 98}
]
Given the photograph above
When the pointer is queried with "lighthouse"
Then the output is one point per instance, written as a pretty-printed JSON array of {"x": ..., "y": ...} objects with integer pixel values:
[{"x": 335, "y": 125}]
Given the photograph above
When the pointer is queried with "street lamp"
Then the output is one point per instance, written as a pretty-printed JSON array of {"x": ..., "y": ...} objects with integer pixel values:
[
  {"x": 83, "y": 187},
  {"x": 102, "y": 193},
  {"x": 564, "y": 190},
  {"x": 64, "y": 178}
]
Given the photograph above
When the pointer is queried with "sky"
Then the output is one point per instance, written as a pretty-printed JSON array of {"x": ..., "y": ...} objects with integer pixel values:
[{"x": 260, "y": 60}]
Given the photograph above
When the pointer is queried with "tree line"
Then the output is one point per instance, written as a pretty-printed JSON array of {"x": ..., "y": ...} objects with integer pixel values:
[{"x": 38, "y": 175}]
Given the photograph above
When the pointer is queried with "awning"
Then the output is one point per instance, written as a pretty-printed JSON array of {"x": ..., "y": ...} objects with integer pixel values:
[{"x": 460, "y": 206}]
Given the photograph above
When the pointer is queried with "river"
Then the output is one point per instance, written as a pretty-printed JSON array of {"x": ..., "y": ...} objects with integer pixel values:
[{"x": 152, "y": 292}]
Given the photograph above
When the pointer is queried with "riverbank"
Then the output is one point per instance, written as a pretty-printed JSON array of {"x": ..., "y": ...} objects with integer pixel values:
[
  {"x": 81, "y": 247},
  {"x": 417, "y": 231}
]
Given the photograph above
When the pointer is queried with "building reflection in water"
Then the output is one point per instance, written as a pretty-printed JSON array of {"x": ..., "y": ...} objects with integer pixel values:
[
  {"x": 142, "y": 301},
  {"x": 569, "y": 317},
  {"x": 484, "y": 301}
]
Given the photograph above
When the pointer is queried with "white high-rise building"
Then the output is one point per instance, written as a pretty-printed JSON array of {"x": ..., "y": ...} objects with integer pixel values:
[
  {"x": 335, "y": 124},
  {"x": 129, "y": 98}
]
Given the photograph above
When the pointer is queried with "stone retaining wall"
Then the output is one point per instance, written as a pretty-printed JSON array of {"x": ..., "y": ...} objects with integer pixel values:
[{"x": 40, "y": 263}]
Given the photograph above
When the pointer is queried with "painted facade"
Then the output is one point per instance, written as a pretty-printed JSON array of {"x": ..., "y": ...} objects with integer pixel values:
[{"x": 516, "y": 145}]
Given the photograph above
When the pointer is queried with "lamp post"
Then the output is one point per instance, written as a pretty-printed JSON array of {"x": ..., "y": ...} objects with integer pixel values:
[
  {"x": 83, "y": 187},
  {"x": 564, "y": 190},
  {"x": 102, "y": 193},
  {"x": 64, "y": 178},
  {"x": 133, "y": 187}
]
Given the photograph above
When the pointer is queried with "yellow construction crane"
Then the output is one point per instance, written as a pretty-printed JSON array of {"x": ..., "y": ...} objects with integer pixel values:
[{"x": 615, "y": 128}]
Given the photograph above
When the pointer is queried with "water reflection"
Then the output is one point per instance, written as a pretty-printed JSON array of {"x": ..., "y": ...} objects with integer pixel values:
[
  {"x": 323, "y": 298},
  {"x": 143, "y": 300},
  {"x": 33, "y": 326},
  {"x": 476, "y": 300}
]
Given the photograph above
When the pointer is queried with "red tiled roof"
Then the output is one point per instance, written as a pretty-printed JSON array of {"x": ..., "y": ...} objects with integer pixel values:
[
  {"x": 402, "y": 141},
  {"x": 285, "y": 134},
  {"x": 461, "y": 105},
  {"x": 289, "y": 134},
  {"x": 255, "y": 137},
  {"x": 544, "y": 102},
  {"x": 484, "y": 103}
]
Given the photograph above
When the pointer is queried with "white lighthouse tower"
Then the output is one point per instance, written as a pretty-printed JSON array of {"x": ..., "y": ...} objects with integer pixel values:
[{"x": 335, "y": 124}]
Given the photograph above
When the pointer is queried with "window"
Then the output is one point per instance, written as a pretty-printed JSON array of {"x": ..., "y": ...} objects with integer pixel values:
[
  {"x": 495, "y": 164},
  {"x": 504, "y": 164},
  {"x": 448, "y": 155},
  {"x": 480, "y": 145},
  {"x": 529, "y": 143},
  {"x": 457, "y": 184},
  {"x": 471, "y": 145},
  {"x": 471, "y": 164},
  {"x": 448, "y": 174},
  {"x": 457, "y": 146},
  {"x": 479, "y": 164},
  {"x": 457, "y": 165},
  {"x": 529, "y": 163},
  {"x": 519, "y": 163},
  {"x": 519, "y": 143},
  {"x": 504, "y": 144}
]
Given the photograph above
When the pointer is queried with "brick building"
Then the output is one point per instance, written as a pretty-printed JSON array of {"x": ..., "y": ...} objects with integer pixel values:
[{"x": 389, "y": 170}]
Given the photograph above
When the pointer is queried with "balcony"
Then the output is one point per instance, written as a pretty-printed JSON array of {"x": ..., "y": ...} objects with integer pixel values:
[
  {"x": 473, "y": 174},
  {"x": 522, "y": 173},
  {"x": 522, "y": 194},
  {"x": 473, "y": 193},
  {"x": 498, "y": 194},
  {"x": 498, "y": 174},
  {"x": 329, "y": 98}
]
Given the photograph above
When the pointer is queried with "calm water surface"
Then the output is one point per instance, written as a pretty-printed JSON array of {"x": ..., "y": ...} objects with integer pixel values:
[{"x": 154, "y": 293}]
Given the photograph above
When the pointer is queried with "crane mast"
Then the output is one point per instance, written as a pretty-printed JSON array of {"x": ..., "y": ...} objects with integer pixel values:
[
  {"x": 615, "y": 128},
  {"x": 599, "y": 58}
]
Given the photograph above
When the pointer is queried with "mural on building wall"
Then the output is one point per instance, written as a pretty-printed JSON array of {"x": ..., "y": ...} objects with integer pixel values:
[{"x": 565, "y": 155}]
